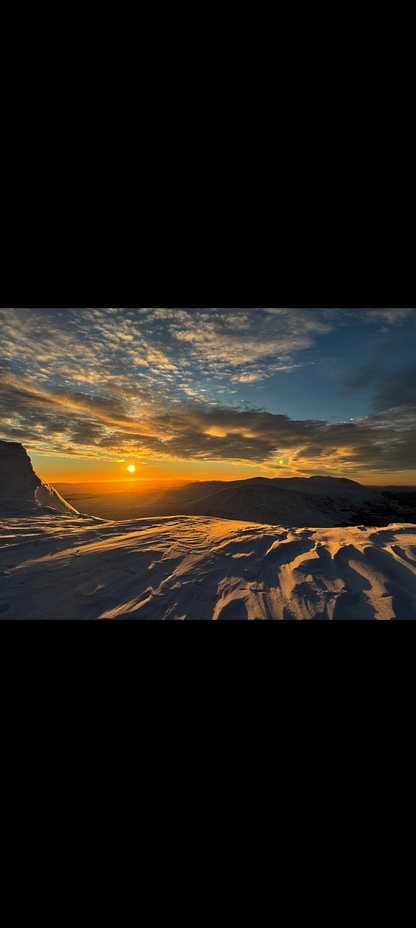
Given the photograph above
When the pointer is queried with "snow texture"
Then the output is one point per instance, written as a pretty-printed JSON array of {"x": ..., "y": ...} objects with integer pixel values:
[
  {"x": 190, "y": 567},
  {"x": 58, "y": 564}
]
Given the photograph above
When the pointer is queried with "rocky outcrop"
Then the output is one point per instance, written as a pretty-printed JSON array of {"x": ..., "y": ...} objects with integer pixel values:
[{"x": 21, "y": 490}]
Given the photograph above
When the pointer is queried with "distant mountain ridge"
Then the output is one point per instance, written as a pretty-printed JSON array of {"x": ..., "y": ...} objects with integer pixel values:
[
  {"x": 297, "y": 501},
  {"x": 321, "y": 502}
]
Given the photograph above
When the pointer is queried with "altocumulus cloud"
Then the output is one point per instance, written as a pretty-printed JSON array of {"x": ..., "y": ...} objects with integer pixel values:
[{"x": 111, "y": 382}]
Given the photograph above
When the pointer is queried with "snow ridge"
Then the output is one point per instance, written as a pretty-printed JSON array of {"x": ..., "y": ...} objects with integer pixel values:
[{"x": 174, "y": 568}]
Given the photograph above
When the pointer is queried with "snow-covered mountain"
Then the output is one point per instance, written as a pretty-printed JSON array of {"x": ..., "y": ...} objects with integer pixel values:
[
  {"x": 21, "y": 490},
  {"x": 297, "y": 501}
]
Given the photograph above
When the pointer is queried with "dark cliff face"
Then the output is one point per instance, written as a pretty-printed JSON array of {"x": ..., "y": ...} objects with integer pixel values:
[
  {"x": 21, "y": 490},
  {"x": 18, "y": 480}
]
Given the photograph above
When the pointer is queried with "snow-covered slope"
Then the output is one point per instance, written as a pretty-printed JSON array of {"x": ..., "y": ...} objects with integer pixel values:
[
  {"x": 318, "y": 501},
  {"x": 58, "y": 567},
  {"x": 58, "y": 564},
  {"x": 21, "y": 490}
]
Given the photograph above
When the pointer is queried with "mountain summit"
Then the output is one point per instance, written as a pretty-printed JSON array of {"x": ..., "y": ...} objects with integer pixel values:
[{"x": 21, "y": 490}]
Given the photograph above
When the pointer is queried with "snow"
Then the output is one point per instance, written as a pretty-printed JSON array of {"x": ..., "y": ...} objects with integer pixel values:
[
  {"x": 58, "y": 567},
  {"x": 58, "y": 564},
  {"x": 294, "y": 502}
]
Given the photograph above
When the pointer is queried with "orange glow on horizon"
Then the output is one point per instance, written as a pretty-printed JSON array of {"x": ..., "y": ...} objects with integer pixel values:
[{"x": 53, "y": 468}]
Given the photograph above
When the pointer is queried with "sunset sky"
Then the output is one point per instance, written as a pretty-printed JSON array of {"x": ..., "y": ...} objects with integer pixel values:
[{"x": 211, "y": 393}]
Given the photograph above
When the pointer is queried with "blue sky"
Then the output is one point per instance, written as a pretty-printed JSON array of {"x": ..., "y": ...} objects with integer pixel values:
[{"x": 202, "y": 390}]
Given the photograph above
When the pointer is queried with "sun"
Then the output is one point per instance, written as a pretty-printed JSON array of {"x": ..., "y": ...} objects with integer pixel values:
[{"x": 131, "y": 468}]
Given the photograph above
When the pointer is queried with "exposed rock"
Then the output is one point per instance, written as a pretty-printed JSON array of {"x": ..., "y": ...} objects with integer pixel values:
[{"x": 21, "y": 490}]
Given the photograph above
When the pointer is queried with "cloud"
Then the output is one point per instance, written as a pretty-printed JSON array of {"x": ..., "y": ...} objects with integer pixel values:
[
  {"x": 391, "y": 316},
  {"x": 386, "y": 388},
  {"x": 163, "y": 347},
  {"x": 246, "y": 345},
  {"x": 118, "y": 382},
  {"x": 96, "y": 426},
  {"x": 121, "y": 362},
  {"x": 393, "y": 389}
]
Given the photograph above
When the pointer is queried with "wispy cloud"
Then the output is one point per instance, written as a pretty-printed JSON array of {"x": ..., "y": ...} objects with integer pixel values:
[{"x": 391, "y": 316}]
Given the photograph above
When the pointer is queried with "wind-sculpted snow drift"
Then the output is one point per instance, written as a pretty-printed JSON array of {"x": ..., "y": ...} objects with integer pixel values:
[
  {"x": 55, "y": 567},
  {"x": 63, "y": 565}
]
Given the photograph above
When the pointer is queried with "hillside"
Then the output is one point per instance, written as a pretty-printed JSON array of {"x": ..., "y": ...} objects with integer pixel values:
[{"x": 316, "y": 501}]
